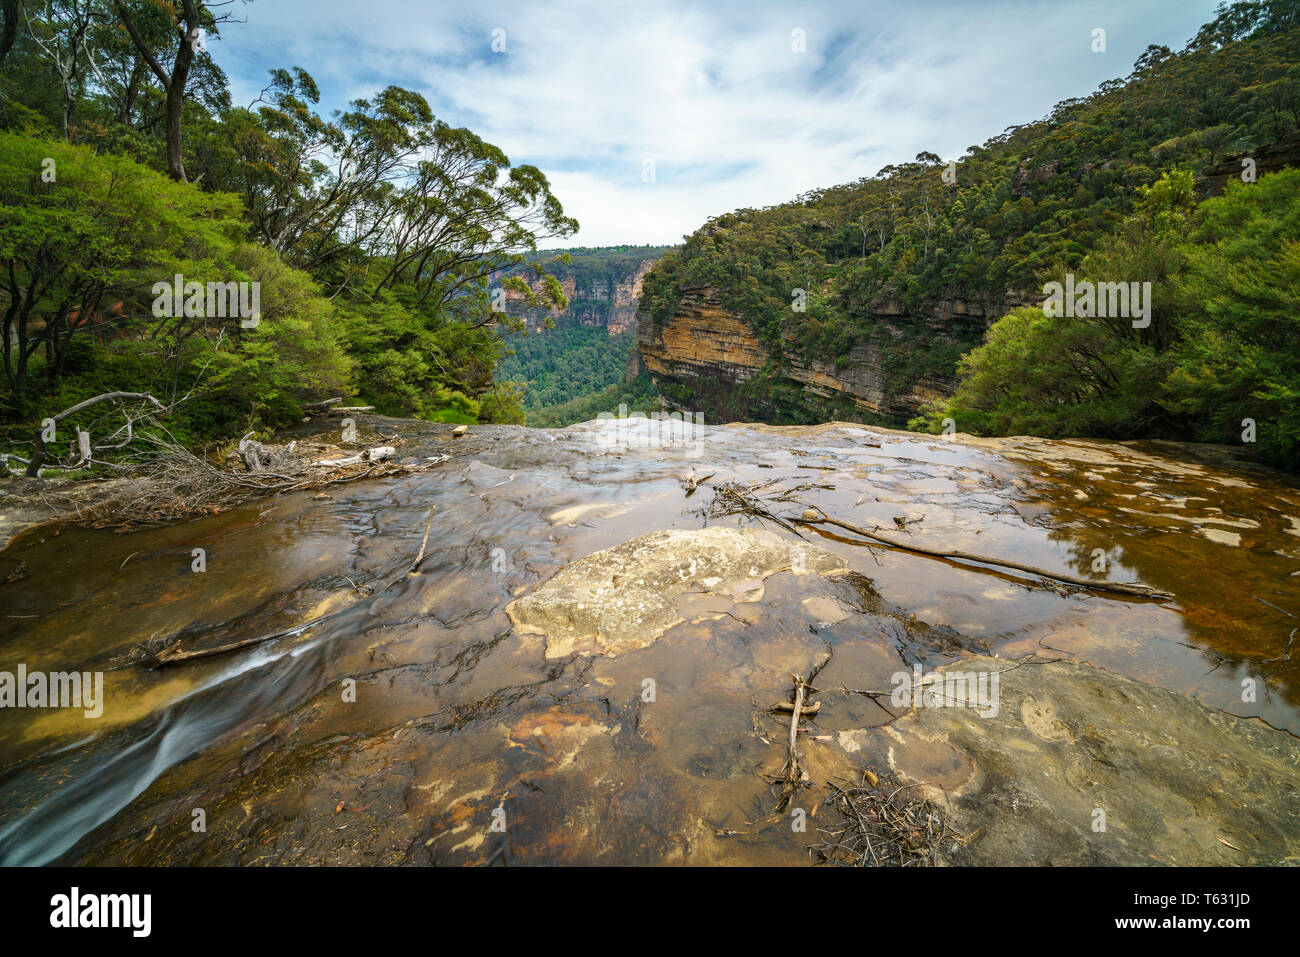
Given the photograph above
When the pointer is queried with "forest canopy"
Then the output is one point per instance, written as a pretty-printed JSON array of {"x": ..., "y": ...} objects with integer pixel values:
[{"x": 376, "y": 237}]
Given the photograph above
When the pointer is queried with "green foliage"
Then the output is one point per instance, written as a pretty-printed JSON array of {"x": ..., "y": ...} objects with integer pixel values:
[
  {"x": 1080, "y": 191},
  {"x": 639, "y": 395},
  {"x": 103, "y": 232},
  {"x": 503, "y": 404},
  {"x": 577, "y": 355},
  {"x": 377, "y": 235},
  {"x": 573, "y": 359},
  {"x": 1238, "y": 304},
  {"x": 79, "y": 232},
  {"x": 1057, "y": 377},
  {"x": 292, "y": 358},
  {"x": 1220, "y": 349}
]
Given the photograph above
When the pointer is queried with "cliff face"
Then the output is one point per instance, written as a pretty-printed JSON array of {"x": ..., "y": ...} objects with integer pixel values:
[
  {"x": 864, "y": 381},
  {"x": 608, "y": 297},
  {"x": 1268, "y": 158},
  {"x": 704, "y": 357},
  {"x": 702, "y": 341}
]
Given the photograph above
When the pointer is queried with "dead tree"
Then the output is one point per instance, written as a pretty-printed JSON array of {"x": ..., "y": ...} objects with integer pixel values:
[{"x": 38, "y": 458}]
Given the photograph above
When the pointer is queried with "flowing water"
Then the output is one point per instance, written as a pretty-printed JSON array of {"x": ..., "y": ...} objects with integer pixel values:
[{"x": 405, "y": 722}]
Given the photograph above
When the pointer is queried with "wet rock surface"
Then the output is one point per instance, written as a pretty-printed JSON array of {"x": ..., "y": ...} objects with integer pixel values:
[
  {"x": 409, "y": 720},
  {"x": 1083, "y": 767},
  {"x": 625, "y": 597}
]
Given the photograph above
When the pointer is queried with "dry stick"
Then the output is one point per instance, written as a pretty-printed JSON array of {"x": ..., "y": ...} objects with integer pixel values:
[
  {"x": 1124, "y": 588},
  {"x": 792, "y": 764},
  {"x": 785, "y": 706},
  {"x": 792, "y": 776},
  {"x": 172, "y": 657},
  {"x": 1273, "y": 606},
  {"x": 419, "y": 557},
  {"x": 424, "y": 541}
]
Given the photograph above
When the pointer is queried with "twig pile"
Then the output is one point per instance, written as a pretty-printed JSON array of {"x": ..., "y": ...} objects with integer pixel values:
[
  {"x": 881, "y": 825},
  {"x": 736, "y": 498},
  {"x": 174, "y": 483}
]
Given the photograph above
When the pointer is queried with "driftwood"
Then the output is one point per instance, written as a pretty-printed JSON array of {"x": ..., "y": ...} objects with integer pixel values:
[
  {"x": 252, "y": 453},
  {"x": 173, "y": 483},
  {"x": 733, "y": 498},
  {"x": 419, "y": 557},
  {"x": 690, "y": 481},
  {"x": 378, "y": 454},
  {"x": 1124, "y": 588},
  {"x": 791, "y": 777},
  {"x": 787, "y": 707},
  {"x": 792, "y": 773},
  {"x": 174, "y": 656},
  {"x": 37, "y": 460}
]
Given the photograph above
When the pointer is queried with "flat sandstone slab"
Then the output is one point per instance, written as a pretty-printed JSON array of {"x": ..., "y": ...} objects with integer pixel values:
[
  {"x": 625, "y": 597},
  {"x": 1175, "y": 780}
]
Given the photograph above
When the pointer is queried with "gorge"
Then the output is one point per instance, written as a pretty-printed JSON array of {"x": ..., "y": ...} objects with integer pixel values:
[{"x": 948, "y": 516}]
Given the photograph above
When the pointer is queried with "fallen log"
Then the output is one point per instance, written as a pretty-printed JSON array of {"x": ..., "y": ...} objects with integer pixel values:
[{"x": 810, "y": 517}]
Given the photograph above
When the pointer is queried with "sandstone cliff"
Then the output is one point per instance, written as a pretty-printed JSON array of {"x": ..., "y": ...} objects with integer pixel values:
[
  {"x": 702, "y": 340},
  {"x": 597, "y": 297},
  {"x": 704, "y": 355},
  {"x": 1268, "y": 158}
]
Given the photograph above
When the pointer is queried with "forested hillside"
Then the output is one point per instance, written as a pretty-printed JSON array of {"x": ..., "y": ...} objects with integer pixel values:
[
  {"x": 368, "y": 245},
  {"x": 586, "y": 349},
  {"x": 916, "y": 262}
]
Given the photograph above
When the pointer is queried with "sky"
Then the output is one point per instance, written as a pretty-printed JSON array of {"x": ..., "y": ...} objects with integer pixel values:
[{"x": 648, "y": 118}]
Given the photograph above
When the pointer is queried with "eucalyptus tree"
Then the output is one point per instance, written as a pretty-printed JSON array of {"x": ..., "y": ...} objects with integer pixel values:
[
  {"x": 388, "y": 192},
  {"x": 175, "y": 32}
]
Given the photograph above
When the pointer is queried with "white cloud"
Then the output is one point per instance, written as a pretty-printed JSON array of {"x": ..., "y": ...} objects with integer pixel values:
[{"x": 730, "y": 114}]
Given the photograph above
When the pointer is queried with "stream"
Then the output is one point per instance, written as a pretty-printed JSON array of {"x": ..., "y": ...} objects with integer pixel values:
[{"x": 407, "y": 723}]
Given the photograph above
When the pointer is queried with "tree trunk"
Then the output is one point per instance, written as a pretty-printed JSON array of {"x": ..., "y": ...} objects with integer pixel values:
[
  {"x": 187, "y": 27},
  {"x": 175, "y": 107},
  {"x": 10, "y": 31}
]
